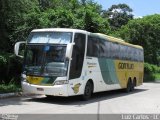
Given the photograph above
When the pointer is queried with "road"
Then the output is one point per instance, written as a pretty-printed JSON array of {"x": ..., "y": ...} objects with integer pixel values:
[{"x": 145, "y": 99}]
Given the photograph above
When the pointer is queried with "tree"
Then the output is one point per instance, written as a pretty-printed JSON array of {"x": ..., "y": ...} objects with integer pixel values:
[
  {"x": 19, "y": 17},
  {"x": 118, "y": 15},
  {"x": 84, "y": 15},
  {"x": 144, "y": 32},
  {"x": 88, "y": 17},
  {"x": 12, "y": 19}
]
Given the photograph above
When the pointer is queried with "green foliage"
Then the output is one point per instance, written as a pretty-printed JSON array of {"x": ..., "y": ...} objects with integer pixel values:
[
  {"x": 3, "y": 61},
  {"x": 13, "y": 14},
  {"x": 118, "y": 15},
  {"x": 144, "y": 32},
  {"x": 150, "y": 68},
  {"x": 10, "y": 68},
  {"x": 9, "y": 88},
  {"x": 19, "y": 17},
  {"x": 151, "y": 72}
]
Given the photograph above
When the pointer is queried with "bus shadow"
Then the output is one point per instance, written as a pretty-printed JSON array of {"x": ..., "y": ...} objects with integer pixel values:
[{"x": 75, "y": 100}]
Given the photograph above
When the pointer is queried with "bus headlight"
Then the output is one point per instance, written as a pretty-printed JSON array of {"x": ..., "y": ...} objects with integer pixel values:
[{"x": 61, "y": 82}]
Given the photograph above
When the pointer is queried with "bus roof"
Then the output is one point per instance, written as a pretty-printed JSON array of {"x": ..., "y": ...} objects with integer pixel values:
[
  {"x": 116, "y": 40},
  {"x": 109, "y": 38},
  {"x": 59, "y": 29}
]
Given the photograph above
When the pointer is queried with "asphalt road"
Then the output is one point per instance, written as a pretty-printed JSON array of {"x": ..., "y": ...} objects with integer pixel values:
[{"x": 145, "y": 99}]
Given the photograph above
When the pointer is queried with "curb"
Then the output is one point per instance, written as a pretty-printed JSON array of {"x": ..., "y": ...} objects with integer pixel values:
[
  {"x": 17, "y": 94},
  {"x": 7, "y": 95}
]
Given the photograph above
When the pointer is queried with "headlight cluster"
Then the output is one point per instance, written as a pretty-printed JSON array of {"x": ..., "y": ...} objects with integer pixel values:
[{"x": 61, "y": 82}]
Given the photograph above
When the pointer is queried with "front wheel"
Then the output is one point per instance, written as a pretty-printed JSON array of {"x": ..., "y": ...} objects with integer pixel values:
[{"x": 87, "y": 91}]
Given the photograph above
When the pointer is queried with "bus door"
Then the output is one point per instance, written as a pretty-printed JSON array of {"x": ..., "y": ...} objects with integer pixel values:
[{"x": 76, "y": 65}]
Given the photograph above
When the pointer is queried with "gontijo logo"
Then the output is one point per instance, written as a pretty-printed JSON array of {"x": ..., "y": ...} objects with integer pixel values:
[{"x": 125, "y": 65}]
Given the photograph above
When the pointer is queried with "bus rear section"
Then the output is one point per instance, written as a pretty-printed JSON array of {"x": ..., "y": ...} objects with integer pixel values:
[{"x": 113, "y": 63}]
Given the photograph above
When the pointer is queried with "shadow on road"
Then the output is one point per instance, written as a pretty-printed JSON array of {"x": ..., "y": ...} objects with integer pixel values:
[
  {"x": 11, "y": 101},
  {"x": 75, "y": 100}
]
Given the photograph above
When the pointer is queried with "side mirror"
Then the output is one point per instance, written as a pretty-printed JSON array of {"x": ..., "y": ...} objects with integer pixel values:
[
  {"x": 16, "y": 48},
  {"x": 69, "y": 50}
]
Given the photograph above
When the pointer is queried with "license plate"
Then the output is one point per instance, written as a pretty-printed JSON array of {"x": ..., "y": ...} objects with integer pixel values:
[{"x": 40, "y": 89}]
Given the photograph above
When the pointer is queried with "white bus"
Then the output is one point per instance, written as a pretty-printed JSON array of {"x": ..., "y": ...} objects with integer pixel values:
[{"x": 69, "y": 62}]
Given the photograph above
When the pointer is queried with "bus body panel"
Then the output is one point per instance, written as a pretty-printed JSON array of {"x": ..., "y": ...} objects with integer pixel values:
[{"x": 56, "y": 90}]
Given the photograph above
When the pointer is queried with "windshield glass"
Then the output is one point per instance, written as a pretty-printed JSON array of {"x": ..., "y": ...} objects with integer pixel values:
[
  {"x": 50, "y": 37},
  {"x": 45, "y": 60}
]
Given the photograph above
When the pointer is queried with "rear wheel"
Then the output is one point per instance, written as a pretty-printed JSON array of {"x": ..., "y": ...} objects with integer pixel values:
[
  {"x": 87, "y": 91},
  {"x": 133, "y": 84},
  {"x": 129, "y": 86}
]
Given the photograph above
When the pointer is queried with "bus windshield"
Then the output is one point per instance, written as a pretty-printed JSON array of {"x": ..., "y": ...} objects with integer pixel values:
[{"x": 45, "y": 60}]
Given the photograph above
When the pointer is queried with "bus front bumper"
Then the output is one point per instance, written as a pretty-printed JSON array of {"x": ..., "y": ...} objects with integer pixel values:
[{"x": 56, "y": 90}]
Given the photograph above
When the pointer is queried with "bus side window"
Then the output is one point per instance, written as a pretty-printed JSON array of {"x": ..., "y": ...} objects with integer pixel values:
[
  {"x": 107, "y": 49},
  {"x": 102, "y": 48},
  {"x": 93, "y": 47},
  {"x": 141, "y": 55},
  {"x": 132, "y": 54},
  {"x": 136, "y": 55},
  {"x": 112, "y": 50},
  {"x": 117, "y": 51},
  {"x": 122, "y": 52},
  {"x": 128, "y": 53}
]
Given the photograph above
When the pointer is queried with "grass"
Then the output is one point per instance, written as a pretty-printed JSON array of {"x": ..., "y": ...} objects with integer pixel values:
[
  {"x": 157, "y": 76},
  {"x": 9, "y": 88}
]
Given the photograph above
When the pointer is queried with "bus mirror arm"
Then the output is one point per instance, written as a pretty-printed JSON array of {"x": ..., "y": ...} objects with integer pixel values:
[
  {"x": 69, "y": 50},
  {"x": 16, "y": 48}
]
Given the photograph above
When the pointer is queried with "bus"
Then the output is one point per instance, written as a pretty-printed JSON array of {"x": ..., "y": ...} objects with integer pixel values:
[{"x": 69, "y": 62}]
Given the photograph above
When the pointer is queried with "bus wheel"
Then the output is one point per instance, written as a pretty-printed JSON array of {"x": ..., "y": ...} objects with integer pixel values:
[
  {"x": 133, "y": 84},
  {"x": 49, "y": 96},
  {"x": 129, "y": 85},
  {"x": 87, "y": 91}
]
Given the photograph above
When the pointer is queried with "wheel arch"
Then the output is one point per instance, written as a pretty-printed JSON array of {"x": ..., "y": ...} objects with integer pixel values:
[{"x": 91, "y": 81}]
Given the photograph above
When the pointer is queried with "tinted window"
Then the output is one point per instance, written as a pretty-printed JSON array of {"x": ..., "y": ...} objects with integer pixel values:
[
  {"x": 115, "y": 50},
  {"x": 122, "y": 52},
  {"x": 93, "y": 47},
  {"x": 104, "y": 48}
]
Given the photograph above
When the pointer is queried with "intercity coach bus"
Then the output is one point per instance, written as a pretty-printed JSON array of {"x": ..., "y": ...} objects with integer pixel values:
[{"x": 69, "y": 62}]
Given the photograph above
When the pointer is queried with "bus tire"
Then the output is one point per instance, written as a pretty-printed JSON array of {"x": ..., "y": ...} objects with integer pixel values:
[
  {"x": 88, "y": 91},
  {"x": 49, "y": 96},
  {"x": 129, "y": 85},
  {"x": 133, "y": 84}
]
